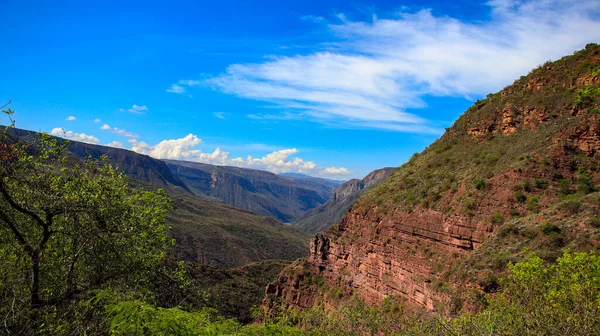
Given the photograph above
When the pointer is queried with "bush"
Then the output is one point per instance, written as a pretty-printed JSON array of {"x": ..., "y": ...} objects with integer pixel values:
[
  {"x": 541, "y": 184},
  {"x": 497, "y": 219},
  {"x": 570, "y": 207},
  {"x": 594, "y": 222},
  {"x": 480, "y": 184},
  {"x": 520, "y": 197},
  {"x": 585, "y": 184},
  {"x": 514, "y": 212},
  {"x": 533, "y": 204},
  {"x": 564, "y": 187},
  {"x": 548, "y": 228},
  {"x": 557, "y": 299}
]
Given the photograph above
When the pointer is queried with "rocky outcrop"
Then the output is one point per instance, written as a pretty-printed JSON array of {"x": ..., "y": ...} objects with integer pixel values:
[
  {"x": 324, "y": 216},
  {"x": 511, "y": 156}
]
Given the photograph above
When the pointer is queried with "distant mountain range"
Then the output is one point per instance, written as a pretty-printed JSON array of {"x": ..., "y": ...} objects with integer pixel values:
[
  {"x": 206, "y": 231},
  {"x": 304, "y": 176},
  {"x": 283, "y": 197},
  {"x": 326, "y": 215}
]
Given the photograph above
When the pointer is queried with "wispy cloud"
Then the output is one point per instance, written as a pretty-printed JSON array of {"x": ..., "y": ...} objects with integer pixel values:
[
  {"x": 70, "y": 118},
  {"x": 380, "y": 69},
  {"x": 60, "y": 132},
  {"x": 313, "y": 18},
  {"x": 179, "y": 87},
  {"x": 220, "y": 115},
  {"x": 138, "y": 109},
  {"x": 118, "y": 131},
  {"x": 278, "y": 161},
  {"x": 97, "y": 120},
  {"x": 176, "y": 88}
]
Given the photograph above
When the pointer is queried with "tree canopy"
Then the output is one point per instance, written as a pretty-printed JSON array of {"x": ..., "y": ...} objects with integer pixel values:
[{"x": 68, "y": 227}]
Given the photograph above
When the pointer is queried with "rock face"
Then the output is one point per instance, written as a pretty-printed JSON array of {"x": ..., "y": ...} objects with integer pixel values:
[
  {"x": 513, "y": 155},
  {"x": 324, "y": 216},
  {"x": 284, "y": 198}
]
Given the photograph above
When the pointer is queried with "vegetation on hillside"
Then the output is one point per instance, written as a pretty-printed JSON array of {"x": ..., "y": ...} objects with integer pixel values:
[
  {"x": 83, "y": 253},
  {"x": 455, "y": 172}
]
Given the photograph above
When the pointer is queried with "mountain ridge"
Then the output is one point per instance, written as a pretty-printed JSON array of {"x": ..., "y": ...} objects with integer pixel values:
[
  {"x": 266, "y": 193},
  {"x": 519, "y": 169},
  {"x": 324, "y": 216}
]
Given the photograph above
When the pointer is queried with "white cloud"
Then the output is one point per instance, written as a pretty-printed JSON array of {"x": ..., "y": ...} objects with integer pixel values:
[
  {"x": 189, "y": 82},
  {"x": 70, "y": 118},
  {"x": 220, "y": 115},
  {"x": 118, "y": 131},
  {"x": 278, "y": 161},
  {"x": 377, "y": 70},
  {"x": 60, "y": 132},
  {"x": 337, "y": 171},
  {"x": 138, "y": 109},
  {"x": 115, "y": 144},
  {"x": 179, "y": 86},
  {"x": 176, "y": 88},
  {"x": 97, "y": 120}
]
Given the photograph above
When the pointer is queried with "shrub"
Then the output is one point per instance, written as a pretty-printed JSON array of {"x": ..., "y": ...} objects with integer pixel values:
[
  {"x": 564, "y": 187},
  {"x": 594, "y": 222},
  {"x": 480, "y": 184},
  {"x": 541, "y": 184},
  {"x": 548, "y": 228},
  {"x": 533, "y": 204},
  {"x": 537, "y": 299},
  {"x": 514, "y": 212},
  {"x": 570, "y": 207},
  {"x": 497, "y": 219},
  {"x": 520, "y": 197},
  {"x": 585, "y": 184}
]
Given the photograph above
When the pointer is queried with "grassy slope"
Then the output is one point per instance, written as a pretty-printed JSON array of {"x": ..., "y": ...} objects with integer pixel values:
[
  {"x": 515, "y": 165},
  {"x": 224, "y": 236},
  {"x": 459, "y": 160}
]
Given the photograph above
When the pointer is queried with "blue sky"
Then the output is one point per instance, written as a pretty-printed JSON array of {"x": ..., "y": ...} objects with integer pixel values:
[{"x": 328, "y": 88}]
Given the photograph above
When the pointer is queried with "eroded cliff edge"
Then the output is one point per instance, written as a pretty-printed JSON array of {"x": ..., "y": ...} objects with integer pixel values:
[{"x": 517, "y": 170}]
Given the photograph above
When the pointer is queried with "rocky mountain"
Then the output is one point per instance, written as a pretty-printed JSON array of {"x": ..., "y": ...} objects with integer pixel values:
[
  {"x": 206, "y": 231},
  {"x": 284, "y": 198},
  {"x": 324, "y": 216},
  {"x": 517, "y": 173}
]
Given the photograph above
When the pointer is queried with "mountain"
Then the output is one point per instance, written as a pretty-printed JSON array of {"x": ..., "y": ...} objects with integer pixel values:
[
  {"x": 206, "y": 232},
  {"x": 517, "y": 173},
  {"x": 304, "y": 176},
  {"x": 284, "y": 198},
  {"x": 324, "y": 216},
  {"x": 221, "y": 235}
]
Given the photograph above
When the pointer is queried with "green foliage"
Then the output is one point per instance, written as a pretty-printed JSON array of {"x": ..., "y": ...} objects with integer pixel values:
[
  {"x": 549, "y": 228},
  {"x": 497, "y": 219},
  {"x": 564, "y": 187},
  {"x": 536, "y": 299},
  {"x": 479, "y": 184},
  {"x": 70, "y": 227},
  {"x": 520, "y": 197},
  {"x": 587, "y": 95},
  {"x": 585, "y": 184},
  {"x": 541, "y": 184},
  {"x": 533, "y": 204},
  {"x": 570, "y": 207}
]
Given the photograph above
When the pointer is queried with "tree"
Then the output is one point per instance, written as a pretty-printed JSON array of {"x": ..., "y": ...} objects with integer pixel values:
[{"x": 68, "y": 227}]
